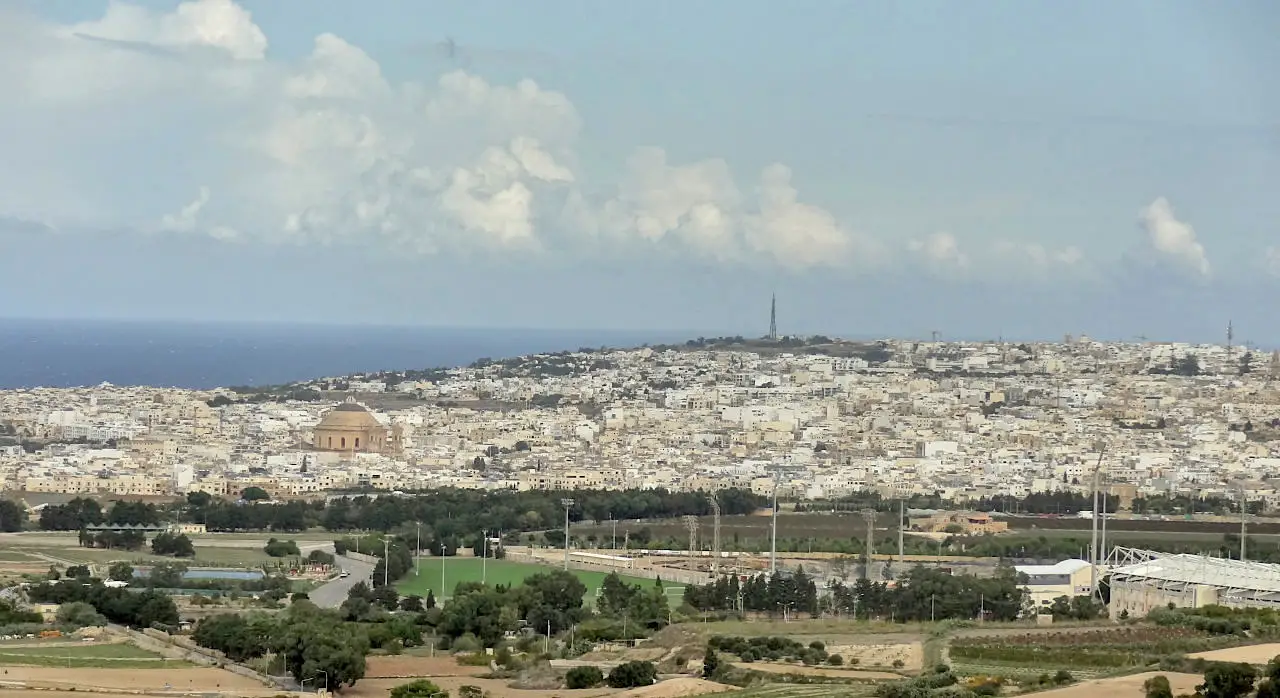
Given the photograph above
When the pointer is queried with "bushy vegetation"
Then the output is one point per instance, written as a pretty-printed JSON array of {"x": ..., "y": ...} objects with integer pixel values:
[
  {"x": 1220, "y": 620},
  {"x": 632, "y": 674},
  {"x": 797, "y": 593},
  {"x": 583, "y": 677},
  {"x": 138, "y": 609},
  {"x": 769, "y": 649},
  {"x": 281, "y": 548}
]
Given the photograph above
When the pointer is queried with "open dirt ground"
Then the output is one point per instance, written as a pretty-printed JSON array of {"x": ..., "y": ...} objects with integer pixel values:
[
  {"x": 1124, "y": 686},
  {"x": 191, "y": 679},
  {"x": 380, "y": 688},
  {"x": 677, "y": 688},
  {"x": 1251, "y": 654},
  {"x": 409, "y": 666}
]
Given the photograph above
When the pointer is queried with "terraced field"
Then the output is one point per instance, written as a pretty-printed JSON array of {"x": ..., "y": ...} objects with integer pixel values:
[{"x": 780, "y": 690}]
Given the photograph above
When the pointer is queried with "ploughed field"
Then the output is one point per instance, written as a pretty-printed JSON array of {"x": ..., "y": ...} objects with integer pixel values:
[{"x": 1084, "y": 653}]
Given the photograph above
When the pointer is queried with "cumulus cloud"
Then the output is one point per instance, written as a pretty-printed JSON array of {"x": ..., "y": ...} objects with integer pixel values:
[
  {"x": 1173, "y": 240},
  {"x": 940, "y": 252},
  {"x": 327, "y": 149},
  {"x": 1038, "y": 259},
  {"x": 1271, "y": 260}
]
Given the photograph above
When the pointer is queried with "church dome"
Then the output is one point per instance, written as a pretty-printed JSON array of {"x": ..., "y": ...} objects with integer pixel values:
[{"x": 348, "y": 416}]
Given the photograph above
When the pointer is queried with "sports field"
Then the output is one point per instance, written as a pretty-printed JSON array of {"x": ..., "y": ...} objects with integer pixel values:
[{"x": 469, "y": 569}]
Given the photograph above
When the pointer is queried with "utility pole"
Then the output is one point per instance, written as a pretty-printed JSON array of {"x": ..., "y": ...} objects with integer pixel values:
[
  {"x": 869, "y": 515},
  {"x": 417, "y": 552},
  {"x": 691, "y": 523},
  {"x": 568, "y": 504},
  {"x": 773, "y": 530},
  {"x": 484, "y": 555},
  {"x": 613, "y": 534},
  {"x": 443, "y": 552},
  {"x": 1102, "y": 550},
  {"x": 715, "y": 535},
  {"x": 386, "y": 560}
]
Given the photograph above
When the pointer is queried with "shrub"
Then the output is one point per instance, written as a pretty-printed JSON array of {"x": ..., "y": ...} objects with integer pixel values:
[
  {"x": 632, "y": 674},
  {"x": 1063, "y": 677},
  {"x": 1157, "y": 687},
  {"x": 583, "y": 677},
  {"x": 835, "y": 660}
]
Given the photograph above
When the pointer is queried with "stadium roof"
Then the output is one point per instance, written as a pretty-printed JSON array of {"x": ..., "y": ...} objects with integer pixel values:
[
  {"x": 1210, "y": 571},
  {"x": 1061, "y": 567}
]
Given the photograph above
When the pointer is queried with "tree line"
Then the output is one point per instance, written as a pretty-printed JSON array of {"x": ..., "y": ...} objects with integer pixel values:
[{"x": 447, "y": 512}]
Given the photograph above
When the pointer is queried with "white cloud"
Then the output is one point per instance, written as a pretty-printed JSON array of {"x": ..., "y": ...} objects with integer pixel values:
[
  {"x": 1271, "y": 260},
  {"x": 327, "y": 149},
  {"x": 1173, "y": 240},
  {"x": 1037, "y": 259},
  {"x": 940, "y": 252}
]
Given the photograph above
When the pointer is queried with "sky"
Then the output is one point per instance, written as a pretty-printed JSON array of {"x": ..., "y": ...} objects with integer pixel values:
[{"x": 989, "y": 169}]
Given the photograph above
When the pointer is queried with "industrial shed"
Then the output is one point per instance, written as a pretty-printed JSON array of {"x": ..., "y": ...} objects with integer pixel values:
[{"x": 1141, "y": 580}]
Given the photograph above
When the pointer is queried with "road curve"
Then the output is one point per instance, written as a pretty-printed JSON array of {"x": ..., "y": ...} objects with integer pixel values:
[{"x": 333, "y": 593}]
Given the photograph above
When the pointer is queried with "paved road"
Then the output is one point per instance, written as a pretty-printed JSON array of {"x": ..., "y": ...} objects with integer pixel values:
[{"x": 332, "y": 594}]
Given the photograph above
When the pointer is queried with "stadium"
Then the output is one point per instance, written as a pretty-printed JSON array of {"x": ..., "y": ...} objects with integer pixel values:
[{"x": 1141, "y": 580}]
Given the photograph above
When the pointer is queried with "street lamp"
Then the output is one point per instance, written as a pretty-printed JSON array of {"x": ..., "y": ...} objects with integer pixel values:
[
  {"x": 417, "y": 551},
  {"x": 568, "y": 504},
  {"x": 484, "y": 554}
]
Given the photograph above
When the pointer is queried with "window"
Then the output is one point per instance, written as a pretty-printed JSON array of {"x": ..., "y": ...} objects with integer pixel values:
[
  {"x": 357, "y": 442},
  {"x": 330, "y": 442},
  {"x": 344, "y": 442}
]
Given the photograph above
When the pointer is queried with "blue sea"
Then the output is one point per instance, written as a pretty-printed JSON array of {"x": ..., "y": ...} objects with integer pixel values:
[{"x": 65, "y": 353}]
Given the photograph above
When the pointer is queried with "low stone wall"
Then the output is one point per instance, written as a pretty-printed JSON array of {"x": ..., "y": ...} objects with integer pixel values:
[
  {"x": 371, "y": 559},
  {"x": 183, "y": 648}
]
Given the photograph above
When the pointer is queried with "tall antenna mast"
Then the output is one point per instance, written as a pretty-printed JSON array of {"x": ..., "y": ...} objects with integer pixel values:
[
  {"x": 773, "y": 318},
  {"x": 1231, "y": 335},
  {"x": 869, "y": 515}
]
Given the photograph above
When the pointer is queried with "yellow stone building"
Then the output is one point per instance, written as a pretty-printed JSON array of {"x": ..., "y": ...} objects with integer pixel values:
[{"x": 350, "y": 428}]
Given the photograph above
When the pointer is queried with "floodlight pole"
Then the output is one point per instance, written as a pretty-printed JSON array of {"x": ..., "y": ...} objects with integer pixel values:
[{"x": 568, "y": 504}]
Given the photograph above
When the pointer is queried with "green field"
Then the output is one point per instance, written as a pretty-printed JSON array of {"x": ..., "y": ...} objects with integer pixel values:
[
  {"x": 205, "y": 556},
  {"x": 458, "y": 570}
]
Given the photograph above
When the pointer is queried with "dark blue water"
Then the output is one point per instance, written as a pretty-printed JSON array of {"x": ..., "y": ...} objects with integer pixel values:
[{"x": 191, "y": 355}]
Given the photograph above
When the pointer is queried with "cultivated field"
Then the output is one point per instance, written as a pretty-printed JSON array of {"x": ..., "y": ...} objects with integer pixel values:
[
  {"x": 1250, "y": 654},
  {"x": 114, "y": 680},
  {"x": 1124, "y": 686},
  {"x": 459, "y": 570}
]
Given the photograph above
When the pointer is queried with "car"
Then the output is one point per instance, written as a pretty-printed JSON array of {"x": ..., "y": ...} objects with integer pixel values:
[{"x": 344, "y": 574}]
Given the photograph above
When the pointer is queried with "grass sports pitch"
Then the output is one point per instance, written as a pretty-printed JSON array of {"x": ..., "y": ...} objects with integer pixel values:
[{"x": 469, "y": 569}]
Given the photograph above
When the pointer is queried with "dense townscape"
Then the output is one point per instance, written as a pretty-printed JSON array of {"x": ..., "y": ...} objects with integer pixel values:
[{"x": 822, "y": 419}]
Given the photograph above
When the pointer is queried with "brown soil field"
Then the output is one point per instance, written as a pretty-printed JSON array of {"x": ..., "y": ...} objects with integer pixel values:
[
  {"x": 380, "y": 688},
  {"x": 678, "y": 688},
  {"x": 409, "y": 666},
  {"x": 1251, "y": 654},
  {"x": 197, "y": 679},
  {"x": 803, "y": 670},
  {"x": 1124, "y": 686}
]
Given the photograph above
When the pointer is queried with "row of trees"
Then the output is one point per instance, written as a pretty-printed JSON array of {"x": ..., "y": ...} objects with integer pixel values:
[
  {"x": 139, "y": 609},
  {"x": 86, "y": 511},
  {"x": 455, "y": 511},
  {"x": 778, "y": 593}
]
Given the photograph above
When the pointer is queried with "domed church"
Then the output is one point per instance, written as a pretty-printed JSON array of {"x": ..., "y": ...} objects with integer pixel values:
[{"x": 350, "y": 428}]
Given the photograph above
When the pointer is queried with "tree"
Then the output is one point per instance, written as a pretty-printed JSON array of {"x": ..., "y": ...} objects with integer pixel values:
[
  {"x": 412, "y": 604},
  {"x": 283, "y": 548},
  {"x": 632, "y": 674},
  {"x": 11, "y": 516},
  {"x": 79, "y": 572},
  {"x": 120, "y": 571},
  {"x": 421, "y": 688},
  {"x": 320, "y": 557},
  {"x": 315, "y": 646},
  {"x": 583, "y": 677},
  {"x": 1227, "y": 681},
  {"x": 175, "y": 545},
  {"x": 81, "y": 615},
  {"x": 254, "y": 494},
  {"x": 710, "y": 664}
]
